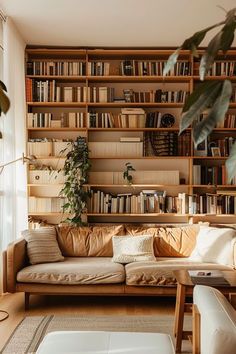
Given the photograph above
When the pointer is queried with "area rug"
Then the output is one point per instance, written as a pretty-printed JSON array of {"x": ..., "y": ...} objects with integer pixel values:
[{"x": 29, "y": 333}]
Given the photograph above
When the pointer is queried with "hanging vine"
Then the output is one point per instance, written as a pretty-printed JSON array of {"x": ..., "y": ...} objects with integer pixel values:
[{"x": 76, "y": 170}]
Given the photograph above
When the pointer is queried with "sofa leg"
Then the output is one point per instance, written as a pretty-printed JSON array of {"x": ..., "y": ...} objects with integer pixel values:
[{"x": 27, "y": 297}]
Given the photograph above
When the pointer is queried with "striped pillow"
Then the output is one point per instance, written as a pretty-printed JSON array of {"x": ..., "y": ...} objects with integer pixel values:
[{"x": 42, "y": 246}]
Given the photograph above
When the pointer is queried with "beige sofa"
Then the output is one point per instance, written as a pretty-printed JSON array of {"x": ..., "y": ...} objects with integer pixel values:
[{"x": 88, "y": 267}]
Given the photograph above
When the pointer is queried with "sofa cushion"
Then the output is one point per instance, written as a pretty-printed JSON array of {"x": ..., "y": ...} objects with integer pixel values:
[
  {"x": 215, "y": 245},
  {"x": 169, "y": 241},
  {"x": 88, "y": 270},
  {"x": 161, "y": 271},
  {"x": 42, "y": 246},
  {"x": 94, "y": 241},
  {"x": 128, "y": 249}
]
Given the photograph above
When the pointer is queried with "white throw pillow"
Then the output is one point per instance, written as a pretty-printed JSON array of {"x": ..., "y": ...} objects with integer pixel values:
[
  {"x": 214, "y": 245},
  {"x": 127, "y": 249}
]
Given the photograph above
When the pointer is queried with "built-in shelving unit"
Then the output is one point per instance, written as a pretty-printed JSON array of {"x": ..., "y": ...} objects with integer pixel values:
[{"x": 108, "y": 94}]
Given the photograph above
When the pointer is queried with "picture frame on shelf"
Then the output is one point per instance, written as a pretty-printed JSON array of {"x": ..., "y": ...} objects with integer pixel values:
[
  {"x": 201, "y": 149},
  {"x": 215, "y": 151}
]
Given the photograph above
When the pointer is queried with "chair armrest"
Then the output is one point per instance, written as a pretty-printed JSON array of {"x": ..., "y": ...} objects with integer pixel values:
[
  {"x": 232, "y": 299},
  {"x": 16, "y": 260}
]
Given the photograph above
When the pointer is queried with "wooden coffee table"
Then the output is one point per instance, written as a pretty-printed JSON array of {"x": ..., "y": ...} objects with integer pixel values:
[{"x": 185, "y": 288}]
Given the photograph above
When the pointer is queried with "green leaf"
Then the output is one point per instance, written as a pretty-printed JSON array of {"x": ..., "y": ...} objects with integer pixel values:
[
  {"x": 216, "y": 114},
  {"x": 194, "y": 41},
  {"x": 171, "y": 62},
  {"x": 2, "y": 86},
  {"x": 231, "y": 164},
  {"x": 4, "y": 101},
  {"x": 201, "y": 99},
  {"x": 209, "y": 56},
  {"x": 227, "y": 35}
]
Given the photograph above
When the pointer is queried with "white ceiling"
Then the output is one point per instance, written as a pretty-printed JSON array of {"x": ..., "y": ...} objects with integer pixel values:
[{"x": 112, "y": 22}]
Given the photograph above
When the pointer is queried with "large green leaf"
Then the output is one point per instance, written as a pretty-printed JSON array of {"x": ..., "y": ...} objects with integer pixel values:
[
  {"x": 171, "y": 61},
  {"x": 209, "y": 56},
  {"x": 200, "y": 89},
  {"x": 202, "y": 98},
  {"x": 228, "y": 35},
  {"x": 2, "y": 85},
  {"x": 231, "y": 164},
  {"x": 216, "y": 114},
  {"x": 196, "y": 38},
  {"x": 4, "y": 101}
]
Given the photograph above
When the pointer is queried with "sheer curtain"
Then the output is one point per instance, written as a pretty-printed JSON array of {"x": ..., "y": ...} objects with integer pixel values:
[{"x": 13, "y": 179}]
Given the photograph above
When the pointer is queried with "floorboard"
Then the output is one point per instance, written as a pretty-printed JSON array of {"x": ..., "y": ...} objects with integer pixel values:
[{"x": 14, "y": 304}]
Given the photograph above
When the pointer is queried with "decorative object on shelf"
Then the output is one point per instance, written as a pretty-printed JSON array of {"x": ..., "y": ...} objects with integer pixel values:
[
  {"x": 214, "y": 95},
  {"x": 126, "y": 174},
  {"x": 167, "y": 120},
  {"x": 76, "y": 170},
  {"x": 25, "y": 159}
]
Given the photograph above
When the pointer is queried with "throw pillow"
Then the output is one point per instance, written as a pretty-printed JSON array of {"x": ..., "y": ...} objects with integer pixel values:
[
  {"x": 42, "y": 246},
  {"x": 214, "y": 245},
  {"x": 127, "y": 249}
]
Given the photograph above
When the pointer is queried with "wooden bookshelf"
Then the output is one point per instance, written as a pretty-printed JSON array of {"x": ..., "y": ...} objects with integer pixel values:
[{"x": 55, "y": 65}]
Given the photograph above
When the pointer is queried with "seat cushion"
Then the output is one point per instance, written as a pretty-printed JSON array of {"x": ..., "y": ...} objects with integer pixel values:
[
  {"x": 83, "y": 270},
  {"x": 161, "y": 271},
  {"x": 72, "y": 342}
]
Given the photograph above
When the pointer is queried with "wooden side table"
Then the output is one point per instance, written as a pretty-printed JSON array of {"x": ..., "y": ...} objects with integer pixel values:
[{"x": 185, "y": 288}]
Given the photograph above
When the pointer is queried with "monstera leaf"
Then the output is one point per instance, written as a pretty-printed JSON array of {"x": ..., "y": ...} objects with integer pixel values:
[{"x": 4, "y": 101}]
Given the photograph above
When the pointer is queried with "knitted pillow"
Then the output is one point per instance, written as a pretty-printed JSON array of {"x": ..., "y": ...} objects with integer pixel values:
[
  {"x": 42, "y": 246},
  {"x": 127, "y": 249}
]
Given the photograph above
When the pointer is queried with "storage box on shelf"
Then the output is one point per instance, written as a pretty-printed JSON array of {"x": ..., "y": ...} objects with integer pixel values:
[{"x": 120, "y": 102}]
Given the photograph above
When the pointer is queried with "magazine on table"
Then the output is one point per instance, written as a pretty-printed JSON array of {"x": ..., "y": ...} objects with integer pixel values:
[{"x": 208, "y": 277}]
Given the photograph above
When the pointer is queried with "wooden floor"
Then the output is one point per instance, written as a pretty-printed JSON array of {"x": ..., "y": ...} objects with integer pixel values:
[{"x": 14, "y": 304}]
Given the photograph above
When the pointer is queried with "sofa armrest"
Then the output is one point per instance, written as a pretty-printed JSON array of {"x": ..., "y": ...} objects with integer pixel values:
[
  {"x": 4, "y": 271},
  {"x": 16, "y": 260}
]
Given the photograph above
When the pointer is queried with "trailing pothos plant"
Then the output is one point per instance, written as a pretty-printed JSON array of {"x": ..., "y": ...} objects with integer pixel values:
[
  {"x": 214, "y": 95},
  {"x": 76, "y": 170}
]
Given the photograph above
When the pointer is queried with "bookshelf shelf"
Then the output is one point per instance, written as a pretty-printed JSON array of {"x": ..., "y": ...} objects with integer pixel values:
[
  {"x": 71, "y": 79},
  {"x": 57, "y": 104},
  {"x": 143, "y": 78},
  {"x": 66, "y": 129},
  {"x": 58, "y": 77}
]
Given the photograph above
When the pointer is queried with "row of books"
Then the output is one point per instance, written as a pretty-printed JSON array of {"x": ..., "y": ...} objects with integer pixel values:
[
  {"x": 167, "y": 144},
  {"x": 99, "y": 68},
  {"x": 101, "y": 94},
  {"x": 213, "y": 175},
  {"x": 158, "y": 96},
  {"x": 144, "y": 202},
  {"x": 49, "y": 147},
  {"x": 220, "y": 68},
  {"x": 56, "y": 68},
  {"x": 215, "y": 204},
  {"x": 45, "y": 204},
  {"x": 50, "y": 91},
  {"x": 154, "y": 68},
  {"x": 46, "y": 120},
  {"x": 224, "y": 145}
]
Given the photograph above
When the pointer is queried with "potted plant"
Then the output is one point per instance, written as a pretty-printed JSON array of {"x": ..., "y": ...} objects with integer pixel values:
[{"x": 76, "y": 169}]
